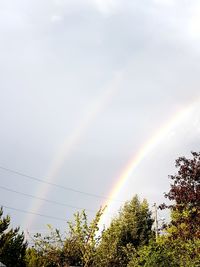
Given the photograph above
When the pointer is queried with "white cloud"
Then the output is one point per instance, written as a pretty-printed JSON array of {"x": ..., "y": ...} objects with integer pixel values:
[
  {"x": 11, "y": 19},
  {"x": 56, "y": 18},
  {"x": 164, "y": 2},
  {"x": 194, "y": 22},
  {"x": 106, "y": 7}
]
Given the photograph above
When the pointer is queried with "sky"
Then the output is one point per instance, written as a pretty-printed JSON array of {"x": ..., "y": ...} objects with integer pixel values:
[{"x": 87, "y": 87}]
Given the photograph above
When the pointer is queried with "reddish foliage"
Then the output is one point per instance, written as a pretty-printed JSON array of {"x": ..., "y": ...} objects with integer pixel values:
[{"x": 185, "y": 192}]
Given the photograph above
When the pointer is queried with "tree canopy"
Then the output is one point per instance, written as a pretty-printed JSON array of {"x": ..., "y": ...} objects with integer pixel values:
[
  {"x": 129, "y": 230},
  {"x": 185, "y": 195},
  {"x": 12, "y": 244}
]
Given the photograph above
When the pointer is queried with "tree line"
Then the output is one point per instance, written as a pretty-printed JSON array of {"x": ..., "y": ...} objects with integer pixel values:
[{"x": 130, "y": 240}]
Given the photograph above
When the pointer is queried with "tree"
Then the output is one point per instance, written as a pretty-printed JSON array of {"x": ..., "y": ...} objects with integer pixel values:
[
  {"x": 77, "y": 248},
  {"x": 185, "y": 194},
  {"x": 34, "y": 258},
  {"x": 165, "y": 252},
  {"x": 12, "y": 244},
  {"x": 180, "y": 245},
  {"x": 80, "y": 246},
  {"x": 47, "y": 250},
  {"x": 153, "y": 255},
  {"x": 129, "y": 230}
]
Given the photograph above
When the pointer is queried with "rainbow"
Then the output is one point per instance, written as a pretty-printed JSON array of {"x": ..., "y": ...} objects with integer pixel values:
[
  {"x": 71, "y": 142},
  {"x": 178, "y": 118}
]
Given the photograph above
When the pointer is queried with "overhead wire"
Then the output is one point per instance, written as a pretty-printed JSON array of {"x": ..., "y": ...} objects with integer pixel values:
[
  {"x": 55, "y": 185},
  {"x": 44, "y": 199},
  {"x": 34, "y": 213}
]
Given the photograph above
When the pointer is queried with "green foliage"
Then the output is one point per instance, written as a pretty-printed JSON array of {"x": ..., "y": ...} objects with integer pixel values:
[
  {"x": 12, "y": 244},
  {"x": 129, "y": 230},
  {"x": 80, "y": 246},
  {"x": 47, "y": 250},
  {"x": 165, "y": 253},
  {"x": 153, "y": 255},
  {"x": 186, "y": 253},
  {"x": 77, "y": 248},
  {"x": 34, "y": 258}
]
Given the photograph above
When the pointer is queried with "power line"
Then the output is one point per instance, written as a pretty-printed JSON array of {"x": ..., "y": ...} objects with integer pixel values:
[
  {"x": 34, "y": 213},
  {"x": 56, "y": 185},
  {"x": 44, "y": 199}
]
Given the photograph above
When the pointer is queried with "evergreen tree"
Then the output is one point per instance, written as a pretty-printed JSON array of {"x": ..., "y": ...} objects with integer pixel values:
[
  {"x": 128, "y": 231},
  {"x": 12, "y": 244}
]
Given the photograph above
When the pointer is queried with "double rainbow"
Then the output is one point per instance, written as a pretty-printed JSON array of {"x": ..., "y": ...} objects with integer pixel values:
[{"x": 180, "y": 116}]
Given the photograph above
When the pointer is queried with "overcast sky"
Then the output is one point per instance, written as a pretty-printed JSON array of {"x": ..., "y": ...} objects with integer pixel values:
[{"x": 83, "y": 85}]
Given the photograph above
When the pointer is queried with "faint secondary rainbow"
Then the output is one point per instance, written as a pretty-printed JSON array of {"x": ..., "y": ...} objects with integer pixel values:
[
  {"x": 71, "y": 141},
  {"x": 143, "y": 151}
]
